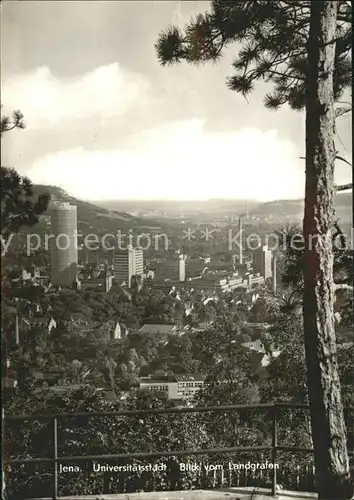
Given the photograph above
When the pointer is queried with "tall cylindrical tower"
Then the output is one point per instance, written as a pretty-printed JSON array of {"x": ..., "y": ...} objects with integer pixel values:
[{"x": 63, "y": 244}]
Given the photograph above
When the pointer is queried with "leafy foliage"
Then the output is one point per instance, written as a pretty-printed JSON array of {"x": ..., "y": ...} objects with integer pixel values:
[
  {"x": 292, "y": 256},
  {"x": 95, "y": 373},
  {"x": 18, "y": 208}
]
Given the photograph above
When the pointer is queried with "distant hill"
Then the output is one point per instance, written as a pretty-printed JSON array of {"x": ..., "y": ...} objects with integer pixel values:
[
  {"x": 93, "y": 218},
  {"x": 273, "y": 211},
  {"x": 177, "y": 208},
  {"x": 293, "y": 210},
  {"x": 114, "y": 215}
]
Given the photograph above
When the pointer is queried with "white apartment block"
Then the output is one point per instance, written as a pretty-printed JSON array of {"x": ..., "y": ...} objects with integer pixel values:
[
  {"x": 176, "y": 387},
  {"x": 262, "y": 262},
  {"x": 126, "y": 264}
]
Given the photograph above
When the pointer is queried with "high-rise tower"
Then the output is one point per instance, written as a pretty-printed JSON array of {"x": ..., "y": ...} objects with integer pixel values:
[
  {"x": 63, "y": 244},
  {"x": 128, "y": 263},
  {"x": 262, "y": 261}
]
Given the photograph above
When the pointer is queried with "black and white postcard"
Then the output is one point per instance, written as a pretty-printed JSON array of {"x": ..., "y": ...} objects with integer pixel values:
[{"x": 177, "y": 250}]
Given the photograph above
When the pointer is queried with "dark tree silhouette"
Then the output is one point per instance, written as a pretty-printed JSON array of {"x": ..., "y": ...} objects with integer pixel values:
[
  {"x": 9, "y": 123},
  {"x": 18, "y": 208},
  {"x": 303, "y": 49},
  {"x": 328, "y": 424}
]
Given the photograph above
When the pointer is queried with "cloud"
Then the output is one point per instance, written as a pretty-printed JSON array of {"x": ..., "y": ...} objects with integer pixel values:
[
  {"x": 45, "y": 100},
  {"x": 179, "y": 161}
]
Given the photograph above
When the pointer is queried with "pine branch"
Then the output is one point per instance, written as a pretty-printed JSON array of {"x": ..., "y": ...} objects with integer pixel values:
[
  {"x": 278, "y": 30},
  {"x": 337, "y": 158},
  {"x": 343, "y": 111},
  {"x": 293, "y": 77},
  {"x": 343, "y": 159},
  {"x": 8, "y": 124},
  {"x": 343, "y": 286},
  {"x": 343, "y": 187}
]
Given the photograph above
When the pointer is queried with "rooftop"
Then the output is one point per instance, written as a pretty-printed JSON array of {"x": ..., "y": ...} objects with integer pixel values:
[
  {"x": 158, "y": 380},
  {"x": 197, "y": 377},
  {"x": 256, "y": 345},
  {"x": 157, "y": 328},
  {"x": 172, "y": 377}
]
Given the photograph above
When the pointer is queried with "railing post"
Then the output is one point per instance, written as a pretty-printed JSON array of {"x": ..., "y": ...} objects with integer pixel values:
[
  {"x": 55, "y": 457},
  {"x": 274, "y": 451},
  {"x": 3, "y": 480}
]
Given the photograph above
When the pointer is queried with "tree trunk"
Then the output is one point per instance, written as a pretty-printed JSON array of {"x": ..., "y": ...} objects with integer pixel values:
[{"x": 327, "y": 418}]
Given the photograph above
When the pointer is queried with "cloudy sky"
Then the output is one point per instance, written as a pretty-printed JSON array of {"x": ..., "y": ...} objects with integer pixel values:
[{"x": 106, "y": 121}]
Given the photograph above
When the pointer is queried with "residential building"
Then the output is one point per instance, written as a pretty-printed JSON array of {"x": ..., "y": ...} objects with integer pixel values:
[
  {"x": 128, "y": 263},
  {"x": 26, "y": 275},
  {"x": 262, "y": 262},
  {"x": 63, "y": 244},
  {"x": 149, "y": 275},
  {"x": 112, "y": 330},
  {"x": 173, "y": 269},
  {"x": 103, "y": 284},
  {"x": 119, "y": 332},
  {"x": 261, "y": 355},
  {"x": 40, "y": 322},
  {"x": 108, "y": 331}
]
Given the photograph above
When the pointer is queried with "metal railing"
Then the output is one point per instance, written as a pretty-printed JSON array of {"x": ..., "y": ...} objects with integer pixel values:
[{"x": 55, "y": 460}]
